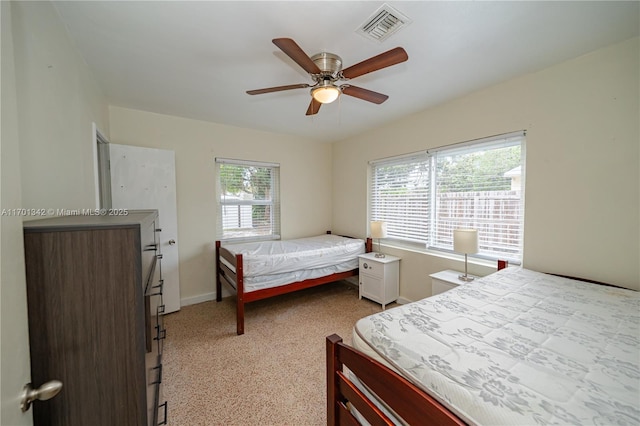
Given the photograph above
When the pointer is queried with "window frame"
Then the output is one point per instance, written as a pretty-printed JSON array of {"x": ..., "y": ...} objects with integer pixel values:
[
  {"x": 273, "y": 202},
  {"x": 427, "y": 212}
]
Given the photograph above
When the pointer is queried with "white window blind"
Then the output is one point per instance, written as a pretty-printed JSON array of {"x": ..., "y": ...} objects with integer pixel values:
[
  {"x": 400, "y": 189},
  {"x": 248, "y": 202},
  {"x": 479, "y": 184}
]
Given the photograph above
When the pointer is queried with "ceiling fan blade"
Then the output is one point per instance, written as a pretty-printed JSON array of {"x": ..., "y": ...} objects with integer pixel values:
[
  {"x": 294, "y": 51},
  {"x": 364, "y": 94},
  {"x": 277, "y": 89},
  {"x": 314, "y": 107},
  {"x": 383, "y": 60}
]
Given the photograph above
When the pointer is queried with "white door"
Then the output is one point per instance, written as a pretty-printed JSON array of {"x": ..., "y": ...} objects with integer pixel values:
[
  {"x": 145, "y": 178},
  {"x": 15, "y": 368}
]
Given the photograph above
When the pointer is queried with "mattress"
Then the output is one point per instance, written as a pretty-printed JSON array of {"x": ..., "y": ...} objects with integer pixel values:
[
  {"x": 270, "y": 264},
  {"x": 280, "y": 257},
  {"x": 518, "y": 348}
]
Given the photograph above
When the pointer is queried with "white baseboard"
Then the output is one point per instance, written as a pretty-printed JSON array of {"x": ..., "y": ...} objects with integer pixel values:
[
  {"x": 198, "y": 299},
  {"x": 403, "y": 301}
]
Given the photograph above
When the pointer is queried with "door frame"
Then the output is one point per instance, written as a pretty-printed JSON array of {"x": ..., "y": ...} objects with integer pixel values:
[{"x": 101, "y": 169}]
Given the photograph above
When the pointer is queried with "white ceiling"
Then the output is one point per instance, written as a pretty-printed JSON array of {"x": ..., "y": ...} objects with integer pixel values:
[{"x": 197, "y": 59}]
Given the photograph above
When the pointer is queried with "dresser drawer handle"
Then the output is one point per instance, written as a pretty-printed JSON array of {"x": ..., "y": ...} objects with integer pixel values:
[
  {"x": 160, "y": 310},
  {"x": 159, "y": 379},
  {"x": 160, "y": 287},
  {"x": 158, "y": 256},
  {"x": 164, "y": 422},
  {"x": 151, "y": 247},
  {"x": 160, "y": 334}
]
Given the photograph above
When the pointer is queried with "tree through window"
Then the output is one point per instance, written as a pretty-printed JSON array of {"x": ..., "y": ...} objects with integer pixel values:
[{"x": 248, "y": 200}]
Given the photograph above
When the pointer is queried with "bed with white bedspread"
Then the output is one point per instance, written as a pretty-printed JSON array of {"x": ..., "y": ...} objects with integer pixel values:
[
  {"x": 261, "y": 269},
  {"x": 518, "y": 347}
]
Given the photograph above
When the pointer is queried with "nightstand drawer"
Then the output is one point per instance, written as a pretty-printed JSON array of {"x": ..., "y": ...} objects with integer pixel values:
[
  {"x": 438, "y": 286},
  {"x": 371, "y": 268},
  {"x": 444, "y": 281}
]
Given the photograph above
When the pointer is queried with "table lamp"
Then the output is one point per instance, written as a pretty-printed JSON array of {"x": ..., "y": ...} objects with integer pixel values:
[
  {"x": 378, "y": 230},
  {"x": 465, "y": 241}
]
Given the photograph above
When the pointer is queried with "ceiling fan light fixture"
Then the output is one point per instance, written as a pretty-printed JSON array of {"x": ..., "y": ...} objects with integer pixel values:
[{"x": 326, "y": 93}]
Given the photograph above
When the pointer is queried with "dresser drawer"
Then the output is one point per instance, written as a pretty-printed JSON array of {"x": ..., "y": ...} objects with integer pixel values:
[{"x": 154, "y": 385}]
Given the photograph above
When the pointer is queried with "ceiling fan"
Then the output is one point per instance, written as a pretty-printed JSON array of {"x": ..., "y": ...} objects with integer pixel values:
[{"x": 325, "y": 70}]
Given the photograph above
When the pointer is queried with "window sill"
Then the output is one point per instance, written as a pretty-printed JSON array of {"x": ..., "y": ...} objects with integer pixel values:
[{"x": 489, "y": 263}]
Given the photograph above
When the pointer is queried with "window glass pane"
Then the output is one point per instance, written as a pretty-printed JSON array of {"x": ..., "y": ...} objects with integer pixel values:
[
  {"x": 248, "y": 202},
  {"x": 481, "y": 189},
  {"x": 478, "y": 184}
]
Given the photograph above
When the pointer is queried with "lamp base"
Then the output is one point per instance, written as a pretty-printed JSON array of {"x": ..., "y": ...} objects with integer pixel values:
[
  {"x": 466, "y": 278},
  {"x": 380, "y": 255}
]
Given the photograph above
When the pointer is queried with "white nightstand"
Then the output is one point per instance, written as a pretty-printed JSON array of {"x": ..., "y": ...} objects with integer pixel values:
[
  {"x": 379, "y": 278},
  {"x": 445, "y": 280}
]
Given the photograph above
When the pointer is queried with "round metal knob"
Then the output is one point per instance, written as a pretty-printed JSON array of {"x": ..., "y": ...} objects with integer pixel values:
[
  {"x": 46, "y": 391},
  {"x": 172, "y": 242}
]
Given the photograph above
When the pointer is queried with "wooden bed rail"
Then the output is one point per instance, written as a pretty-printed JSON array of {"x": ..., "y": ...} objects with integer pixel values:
[{"x": 406, "y": 400}]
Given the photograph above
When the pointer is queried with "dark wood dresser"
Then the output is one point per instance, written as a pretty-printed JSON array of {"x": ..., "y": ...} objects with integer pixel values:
[{"x": 94, "y": 291}]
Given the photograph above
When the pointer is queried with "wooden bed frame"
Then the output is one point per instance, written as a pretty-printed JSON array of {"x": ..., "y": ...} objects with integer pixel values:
[
  {"x": 406, "y": 400},
  {"x": 236, "y": 281}
]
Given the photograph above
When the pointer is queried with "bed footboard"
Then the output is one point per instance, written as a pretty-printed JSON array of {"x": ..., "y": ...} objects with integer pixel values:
[
  {"x": 406, "y": 400},
  {"x": 234, "y": 278}
]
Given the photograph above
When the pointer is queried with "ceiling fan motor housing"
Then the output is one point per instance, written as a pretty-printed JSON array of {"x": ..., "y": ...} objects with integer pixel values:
[{"x": 328, "y": 63}]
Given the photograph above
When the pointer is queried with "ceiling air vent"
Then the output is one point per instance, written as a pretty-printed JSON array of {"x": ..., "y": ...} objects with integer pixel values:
[{"x": 384, "y": 22}]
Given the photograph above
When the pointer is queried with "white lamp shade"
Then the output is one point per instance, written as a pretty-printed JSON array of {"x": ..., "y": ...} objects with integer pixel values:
[
  {"x": 465, "y": 241},
  {"x": 378, "y": 229}
]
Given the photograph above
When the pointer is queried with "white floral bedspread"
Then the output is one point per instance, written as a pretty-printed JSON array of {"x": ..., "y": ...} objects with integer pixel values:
[{"x": 520, "y": 348}]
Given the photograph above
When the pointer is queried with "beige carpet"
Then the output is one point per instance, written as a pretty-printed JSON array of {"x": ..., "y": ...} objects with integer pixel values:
[{"x": 274, "y": 374}]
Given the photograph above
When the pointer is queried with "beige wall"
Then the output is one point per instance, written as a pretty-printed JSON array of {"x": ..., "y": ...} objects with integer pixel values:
[
  {"x": 58, "y": 101},
  {"x": 305, "y": 181},
  {"x": 582, "y": 166}
]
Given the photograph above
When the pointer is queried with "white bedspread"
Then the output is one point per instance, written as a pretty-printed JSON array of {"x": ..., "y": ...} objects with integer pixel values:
[
  {"x": 274, "y": 280},
  {"x": 519, "y": 348},
  {"x": 286, "y": 256}
]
